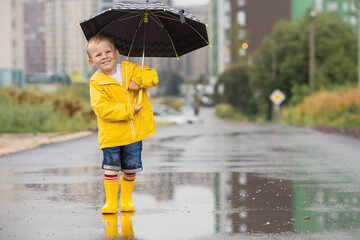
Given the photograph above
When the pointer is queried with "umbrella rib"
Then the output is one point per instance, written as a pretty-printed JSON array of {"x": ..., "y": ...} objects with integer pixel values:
[
  {"x": 170, "y": 17},
  {"x": 172, "y": 44},
  {"x": 125, "y": 18},
  {"x": 198, "y": 33},
  {"x": 157, "y": 20},
  {"x": 118, "y": 19},
  {"x": 163, "y": 27},
  {"x": 132, "y": 42}
]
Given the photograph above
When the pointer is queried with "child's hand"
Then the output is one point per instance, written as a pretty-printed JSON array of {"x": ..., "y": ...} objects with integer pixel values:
[
  {"x": 137, "y": 108},
  {"x": 133, "y": 86}
]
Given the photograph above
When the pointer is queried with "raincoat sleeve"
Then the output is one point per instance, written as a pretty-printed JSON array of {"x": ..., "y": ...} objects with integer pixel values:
[
  {"x": 105, "y": 109},
  {"x": 146, "y": 77}
]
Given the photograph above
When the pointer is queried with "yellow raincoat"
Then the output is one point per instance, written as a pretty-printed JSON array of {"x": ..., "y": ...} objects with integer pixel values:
[{"x": 112, "y": 103}]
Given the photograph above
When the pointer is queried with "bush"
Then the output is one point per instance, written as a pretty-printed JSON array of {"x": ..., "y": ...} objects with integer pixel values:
[
  {"x": 334, "y": 109},
  {"x": 175, "y": 103},
  {"x": 32, "y": 111},
  {"x": 299, "y": 93},
  {"x": 225, "y": 111}
]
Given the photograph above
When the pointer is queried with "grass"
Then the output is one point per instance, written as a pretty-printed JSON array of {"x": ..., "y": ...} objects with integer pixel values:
[
  {"x": 227, "y": 111},
  {"x": 173, "y": 102},
  {"x": 33, "y": 111}
]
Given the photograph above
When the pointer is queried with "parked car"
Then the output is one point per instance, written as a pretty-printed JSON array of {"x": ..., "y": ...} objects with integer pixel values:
[{"x": 167, "y": 115}]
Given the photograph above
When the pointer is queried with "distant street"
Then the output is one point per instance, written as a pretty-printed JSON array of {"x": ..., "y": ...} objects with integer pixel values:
[{"x": 216, "y": 179}]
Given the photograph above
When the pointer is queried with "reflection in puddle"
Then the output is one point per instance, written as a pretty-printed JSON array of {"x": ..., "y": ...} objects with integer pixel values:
[
  {"x": 328, "y": 209},
  {"x": 111, "y": 225},
  {"x": 112, "y": 228},
  {"x": 126, "y": 219},
  {"x": 248, "y": 203}
]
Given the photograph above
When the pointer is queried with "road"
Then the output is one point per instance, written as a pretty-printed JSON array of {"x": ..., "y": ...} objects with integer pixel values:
[{"x": 213, "y": 180}]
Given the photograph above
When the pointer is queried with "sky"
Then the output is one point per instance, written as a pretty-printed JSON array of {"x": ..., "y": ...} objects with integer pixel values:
[{"x": 187, "y": 3}]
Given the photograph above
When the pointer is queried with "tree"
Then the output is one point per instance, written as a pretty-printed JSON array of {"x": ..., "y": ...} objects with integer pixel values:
[
  {"x": 237, "y": 90},
  {"x": 283, "y": 58}
]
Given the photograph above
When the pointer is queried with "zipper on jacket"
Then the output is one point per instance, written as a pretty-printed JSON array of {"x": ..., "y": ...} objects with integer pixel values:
[
  {"x": 128, "y": 100},
  {"x": 107, "y": 83}
]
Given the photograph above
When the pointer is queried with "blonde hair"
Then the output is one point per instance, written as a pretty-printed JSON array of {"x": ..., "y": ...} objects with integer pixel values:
[{"x": 96, "y": 40}]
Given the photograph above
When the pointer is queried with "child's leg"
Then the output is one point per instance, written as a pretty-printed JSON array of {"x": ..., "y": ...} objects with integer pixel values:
[
  {"x": 130, "y": 165},
  {"x": 130, "y": 176},
  {"x": 111, "y": 165},
  {"x": 127, "y": 186},
  {"x": 111, "y": 175},
  {"x": 111, "y": 185}
]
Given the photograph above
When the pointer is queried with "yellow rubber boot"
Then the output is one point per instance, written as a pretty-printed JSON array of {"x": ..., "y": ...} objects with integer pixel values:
[
  {"x": 126, "y": 223},
  {"x": 127, "y": 186},
  {"x": 111, "y": 221},
  {"x": 111, "y": 192}
]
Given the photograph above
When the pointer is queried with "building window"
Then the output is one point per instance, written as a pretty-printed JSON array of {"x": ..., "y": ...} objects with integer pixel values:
[
  {"x": 241, "y": 3},
  {"x": 241, "y": 18},
  {"x": 353, "y": 20},
  {"x": 353, "y": 7},
  {"x": 332, "y": 6},
  {"x": 227, "y": 22},
  {"x": 227, "y": 7}
]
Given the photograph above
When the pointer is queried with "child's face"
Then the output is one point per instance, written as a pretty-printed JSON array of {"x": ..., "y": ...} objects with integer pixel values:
[{"x": 103, "y": 55}]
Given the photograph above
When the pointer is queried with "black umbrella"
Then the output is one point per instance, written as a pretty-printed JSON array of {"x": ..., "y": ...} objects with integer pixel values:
[{"x": 148, "y": 29}]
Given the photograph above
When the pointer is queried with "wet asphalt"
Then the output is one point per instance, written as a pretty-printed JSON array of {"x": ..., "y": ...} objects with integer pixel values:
[{"x": 212, "y": 180}]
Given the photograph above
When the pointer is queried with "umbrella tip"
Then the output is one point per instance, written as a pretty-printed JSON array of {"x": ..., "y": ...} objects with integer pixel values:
[
  {"x": 206, "y": 25},
  {"x": 177, "y": 57},
  {"x": 78, "y": 24},
  {"x": 110, "y": 9}
]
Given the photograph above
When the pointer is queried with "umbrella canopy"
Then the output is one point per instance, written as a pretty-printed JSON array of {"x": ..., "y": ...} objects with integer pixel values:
[{"x": 148, "y": 29}]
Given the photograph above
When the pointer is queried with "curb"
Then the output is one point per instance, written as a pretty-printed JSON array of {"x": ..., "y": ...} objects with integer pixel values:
[
  {"x": 12, "y": 143},
  {"x": 352, "y": 132}
]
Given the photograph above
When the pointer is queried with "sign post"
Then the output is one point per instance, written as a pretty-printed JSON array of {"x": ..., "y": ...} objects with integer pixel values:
[{"x": 276, "y": 97}]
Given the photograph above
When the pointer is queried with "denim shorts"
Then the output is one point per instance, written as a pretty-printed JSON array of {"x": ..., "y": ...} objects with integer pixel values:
[{"x": 123, "y": 158}]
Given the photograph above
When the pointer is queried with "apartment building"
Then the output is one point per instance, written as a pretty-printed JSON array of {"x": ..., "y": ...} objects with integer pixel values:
[
  {"x": 254, "y": 17},
  {"x": 258, "y": 17},
  {"x": 12, "y": 64},
  {"x": 65, "y": 42}
]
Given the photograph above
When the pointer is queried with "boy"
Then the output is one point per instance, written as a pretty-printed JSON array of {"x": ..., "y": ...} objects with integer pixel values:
[{"x": 122, "y": 124}]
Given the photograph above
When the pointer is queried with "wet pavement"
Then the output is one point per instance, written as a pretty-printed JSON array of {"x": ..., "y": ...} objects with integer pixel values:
[{"x": 214, "y": 180}]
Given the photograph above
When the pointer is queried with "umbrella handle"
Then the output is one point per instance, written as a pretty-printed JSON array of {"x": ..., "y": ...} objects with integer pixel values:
[{"x": 139, "y": 97}]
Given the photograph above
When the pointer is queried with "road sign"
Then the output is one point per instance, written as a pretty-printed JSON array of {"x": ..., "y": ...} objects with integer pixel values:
[{"x": 277, "y": 97}]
